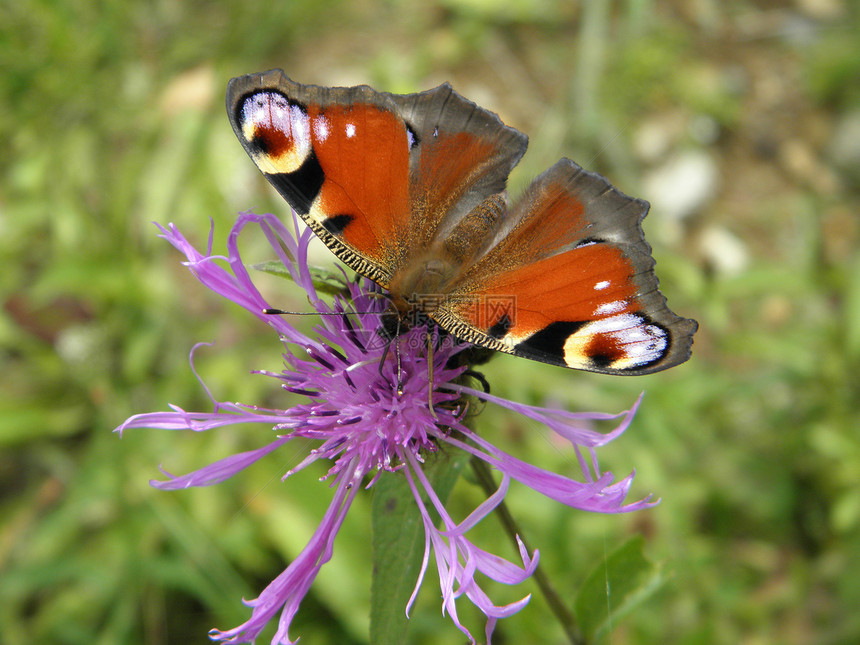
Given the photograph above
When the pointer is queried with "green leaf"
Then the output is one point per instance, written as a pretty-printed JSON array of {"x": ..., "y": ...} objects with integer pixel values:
[
  {"x": 325, "y": 280},
  {"x": 273, "y": 267},
  {"x": 398, "y": 543},
  {"x": 625, "y": 579}
]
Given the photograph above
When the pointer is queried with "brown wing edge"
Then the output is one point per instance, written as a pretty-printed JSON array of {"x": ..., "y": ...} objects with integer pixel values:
[
  {"x": 443, "y": 110},
  {"x": 276, "y": 79},
  {"x": 629, "y": 236},
  {"x": 424, "y": 111}
]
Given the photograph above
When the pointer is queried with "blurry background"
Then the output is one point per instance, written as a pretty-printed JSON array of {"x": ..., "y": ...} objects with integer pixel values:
[{"x": 738, "y": 121}]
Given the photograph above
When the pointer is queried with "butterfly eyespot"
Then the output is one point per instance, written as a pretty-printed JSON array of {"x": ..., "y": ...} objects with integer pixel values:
[
  {"x": 620, "y": 342},
  {"x": 277, "y": 132},
  {"x": 605, "y": 359}
]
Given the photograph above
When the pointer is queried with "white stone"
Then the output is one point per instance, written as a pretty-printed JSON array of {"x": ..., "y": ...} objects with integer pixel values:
[
  {"x": 723, "y": 250},
  {"x": 682, "y": 185}
]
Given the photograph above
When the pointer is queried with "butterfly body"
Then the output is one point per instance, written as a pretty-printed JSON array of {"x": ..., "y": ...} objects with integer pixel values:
[{"x": 409, "y": 191}]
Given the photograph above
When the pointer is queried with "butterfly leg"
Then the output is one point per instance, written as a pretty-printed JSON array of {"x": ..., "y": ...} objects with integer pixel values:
[
  {"x": 392, "y": 337},
  {"x": 485, "y": 385}
]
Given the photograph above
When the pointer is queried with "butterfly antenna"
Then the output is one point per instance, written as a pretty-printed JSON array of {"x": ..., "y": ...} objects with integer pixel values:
[
  {"x": 278, "y": 312},
  {"x": 282, "y": 312},
  {"x": 429, "y": 338},
  {"x": 393, "y": 340},
  {"x": 397, "y": 353}
]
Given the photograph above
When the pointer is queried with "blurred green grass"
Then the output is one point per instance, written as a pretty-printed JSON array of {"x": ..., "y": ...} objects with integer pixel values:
[{"x": 112, "y": 118}]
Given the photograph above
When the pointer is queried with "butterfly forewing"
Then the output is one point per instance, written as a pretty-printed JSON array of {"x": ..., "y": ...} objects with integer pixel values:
[
  {"x": 378, "y": 177},
  {"x": 339, "y": 156}
]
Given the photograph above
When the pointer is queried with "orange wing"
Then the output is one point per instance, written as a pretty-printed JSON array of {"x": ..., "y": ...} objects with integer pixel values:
[
  {"x": 570, "y": 281},
  {"x": 377, "y": 176}
]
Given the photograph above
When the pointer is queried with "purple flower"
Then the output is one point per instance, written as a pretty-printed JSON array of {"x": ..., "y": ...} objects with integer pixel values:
[{"x": 367, "y": 419}]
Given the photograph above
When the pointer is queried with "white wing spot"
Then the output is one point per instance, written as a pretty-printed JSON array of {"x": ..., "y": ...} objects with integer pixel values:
[
  {"x": 608, "y": 308},
  {"x": 299, "y": 124},
  {"x": 321, "y": 128},
  {"x": 601, "y": 285},
  {"x": 350, "y": 130}
]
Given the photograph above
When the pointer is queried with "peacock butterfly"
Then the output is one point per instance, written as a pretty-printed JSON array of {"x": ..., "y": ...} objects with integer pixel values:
[{"x": 409, "y": 191}]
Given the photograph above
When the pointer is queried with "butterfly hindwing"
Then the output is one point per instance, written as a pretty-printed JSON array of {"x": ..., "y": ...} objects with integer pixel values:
[
  {"x": 570, "y": 281},
  {"x": 463, "y": 156}
]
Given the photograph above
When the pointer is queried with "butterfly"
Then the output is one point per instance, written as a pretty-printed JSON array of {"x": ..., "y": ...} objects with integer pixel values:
[{"x": 409, "y": 191}]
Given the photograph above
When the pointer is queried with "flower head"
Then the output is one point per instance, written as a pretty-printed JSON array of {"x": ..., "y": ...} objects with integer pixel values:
[{"x": 374, "y": 408}]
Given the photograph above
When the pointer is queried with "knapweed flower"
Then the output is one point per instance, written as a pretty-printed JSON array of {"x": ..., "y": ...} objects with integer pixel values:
[{"x": 368, "y": 419}]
